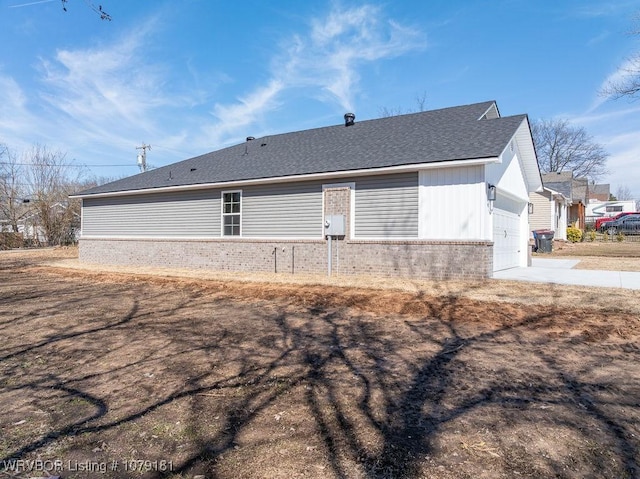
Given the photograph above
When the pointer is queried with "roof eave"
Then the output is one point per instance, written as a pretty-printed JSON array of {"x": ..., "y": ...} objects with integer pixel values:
[
  {"x": 527, "y": 149},
  {"x": 305, "y": 177}
]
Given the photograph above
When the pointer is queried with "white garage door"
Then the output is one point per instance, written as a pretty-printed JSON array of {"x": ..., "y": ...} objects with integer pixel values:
[{"x": 506, "y": 240}]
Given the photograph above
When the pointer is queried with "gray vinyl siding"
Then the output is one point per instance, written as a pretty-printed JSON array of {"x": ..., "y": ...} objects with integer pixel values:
[
  {"x": 284, "y": 210},
  {"x": 179, "y": 214},
  {"x": 386, "y": 206}
]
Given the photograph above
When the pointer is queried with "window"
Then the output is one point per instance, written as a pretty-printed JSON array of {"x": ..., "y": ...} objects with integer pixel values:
[
  {"x": 613, "y": 209},
  {"x": 231, "y": 213}
]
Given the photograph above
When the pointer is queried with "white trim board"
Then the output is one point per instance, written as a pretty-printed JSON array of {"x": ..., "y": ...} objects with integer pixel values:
[{"x": 289, "y": 179}]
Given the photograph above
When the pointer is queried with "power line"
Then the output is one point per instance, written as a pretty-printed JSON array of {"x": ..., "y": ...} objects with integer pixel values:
[
  {"x": 70, "y": 165},
  {"x": 182, "y": 153}
]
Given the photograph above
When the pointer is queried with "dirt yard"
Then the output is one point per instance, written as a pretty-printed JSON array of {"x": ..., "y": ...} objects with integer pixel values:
[{"x": 115, "y": 375}]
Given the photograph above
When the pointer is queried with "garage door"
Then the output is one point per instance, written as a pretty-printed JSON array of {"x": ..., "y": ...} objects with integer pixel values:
[
  {"x": 506, "y": 240},
  {"x": 506, "y": 234}
]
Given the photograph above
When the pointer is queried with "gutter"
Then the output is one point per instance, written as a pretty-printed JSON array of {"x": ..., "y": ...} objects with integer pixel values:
[{"x": 289, "y": 179}]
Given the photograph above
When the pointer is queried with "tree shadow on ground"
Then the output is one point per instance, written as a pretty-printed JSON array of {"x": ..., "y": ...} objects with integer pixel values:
[{"x": 376, "y": 396}]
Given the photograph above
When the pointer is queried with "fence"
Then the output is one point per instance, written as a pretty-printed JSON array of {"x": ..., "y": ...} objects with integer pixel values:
[{"x": 593, "y": 236}]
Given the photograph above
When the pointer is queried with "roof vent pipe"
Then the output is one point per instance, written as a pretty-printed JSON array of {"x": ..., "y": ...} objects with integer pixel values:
[
  {"x": 251, "y": 138},
  {"x": 349, "y": 119}
]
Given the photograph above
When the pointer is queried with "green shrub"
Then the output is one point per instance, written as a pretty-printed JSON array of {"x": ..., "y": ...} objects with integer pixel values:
[
  {"x": 574, "y": 234},
  {"x": 605, "y": 236},
  {"x": 592, "y": 235},
  {"x": 620, "y": 237}
]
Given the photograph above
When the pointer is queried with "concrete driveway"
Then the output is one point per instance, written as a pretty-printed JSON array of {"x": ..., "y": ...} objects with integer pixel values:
[{"x": 560, "y": 271}]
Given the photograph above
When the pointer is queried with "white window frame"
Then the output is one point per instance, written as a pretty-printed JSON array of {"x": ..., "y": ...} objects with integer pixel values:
[{"x": 223, "y": 214}]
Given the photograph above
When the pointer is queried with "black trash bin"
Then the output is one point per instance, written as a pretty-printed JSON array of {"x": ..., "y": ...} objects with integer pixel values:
[{"x": 544, "y": 240}]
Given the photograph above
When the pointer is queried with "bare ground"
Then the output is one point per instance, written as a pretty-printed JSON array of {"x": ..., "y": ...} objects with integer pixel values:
[
  {"x": 280, "y": 379},
  {"x": 600, "y": 255},
  {"x": 603, "y": 249}
]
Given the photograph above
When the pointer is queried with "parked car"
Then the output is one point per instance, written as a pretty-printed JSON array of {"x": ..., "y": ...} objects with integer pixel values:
[
  {"x": 600, "y": 222},
  {"x": 628, "y": 224}
]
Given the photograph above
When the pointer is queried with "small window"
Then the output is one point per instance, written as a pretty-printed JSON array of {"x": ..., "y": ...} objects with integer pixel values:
[
  {"x": 231, "y": 211},
  {"x": 613, "y": 209}
]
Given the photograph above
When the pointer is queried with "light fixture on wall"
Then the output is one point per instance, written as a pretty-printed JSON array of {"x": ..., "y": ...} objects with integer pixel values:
[
  {"x": 530, "y": 208},
  {"x": 491, "y": 192}
]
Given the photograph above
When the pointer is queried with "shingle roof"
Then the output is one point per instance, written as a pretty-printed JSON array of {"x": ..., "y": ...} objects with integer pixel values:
[
  {"x": 560, "y": 181},
  {"x": 580, "y": 189},
  {"x": 557, "y": 176},
  {"x": 448, "y": 134},
  {"x": 602, "y": 189}
]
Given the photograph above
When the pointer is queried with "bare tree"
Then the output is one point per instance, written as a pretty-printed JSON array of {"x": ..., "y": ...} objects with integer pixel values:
[
  {"x": 562, "y": 147},
  {"x": 623, "y": 193},
  {"x": 12, "y": 189},
  {"x": 52, "y": 178},
  {"x": 421, "y": 103}
]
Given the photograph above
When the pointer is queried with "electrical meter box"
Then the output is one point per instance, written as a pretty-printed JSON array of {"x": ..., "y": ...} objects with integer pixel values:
[{"x": 334, "y": 225}]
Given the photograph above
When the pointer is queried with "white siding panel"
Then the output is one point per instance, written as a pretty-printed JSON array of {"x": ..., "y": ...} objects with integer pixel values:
[
  {"x": 452, "y": 203},
  {"x": 386, "y": 206},
  {"x": 287, "y": 210},
  {"x": 192, "y": 214}
]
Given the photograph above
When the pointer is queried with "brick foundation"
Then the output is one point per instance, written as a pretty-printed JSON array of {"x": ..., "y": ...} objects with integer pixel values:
[{"x": 414, "y": 259}]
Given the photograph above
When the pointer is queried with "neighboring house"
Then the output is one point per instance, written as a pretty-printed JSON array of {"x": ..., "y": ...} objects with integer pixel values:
[
  {"x": 435, "y": 194},
  {"x": 30, "y": 225},
  {"x": 28, "y": 228},
  {"x": 599, "y": 193},
  {"x": 8, "y": 239},
  {"x": 579, "y": 201},
  {"x": 550, "y": 210},
  {"x": 575, "y": 190}
]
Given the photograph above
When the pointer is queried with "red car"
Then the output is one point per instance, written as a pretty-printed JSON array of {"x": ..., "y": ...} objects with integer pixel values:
[{"x": 600, "y": 222}]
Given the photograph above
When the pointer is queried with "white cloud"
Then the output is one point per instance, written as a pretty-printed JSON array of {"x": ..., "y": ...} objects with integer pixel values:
[
  {"x": 111, "y": 86},
  {"x": 326, "y": 59},
  {"x": 606, "y": 9},
  {"x": 592, "y": 117},
  {"x": 598, "y": 38},
  {"x": 623, "y": 163},
  {"x": 330, "y": 56},
  {"x": 232, "y": 118},
  {"x": 99, "y": 102},
  {"x": 14, "y": 113}
]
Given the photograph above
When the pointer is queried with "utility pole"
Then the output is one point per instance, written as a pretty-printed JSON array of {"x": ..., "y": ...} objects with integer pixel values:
[{"x": 142, "y": 157}]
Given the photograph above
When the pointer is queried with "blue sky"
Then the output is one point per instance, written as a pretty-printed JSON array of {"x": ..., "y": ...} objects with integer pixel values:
[{"x": 192, "y": 76}]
